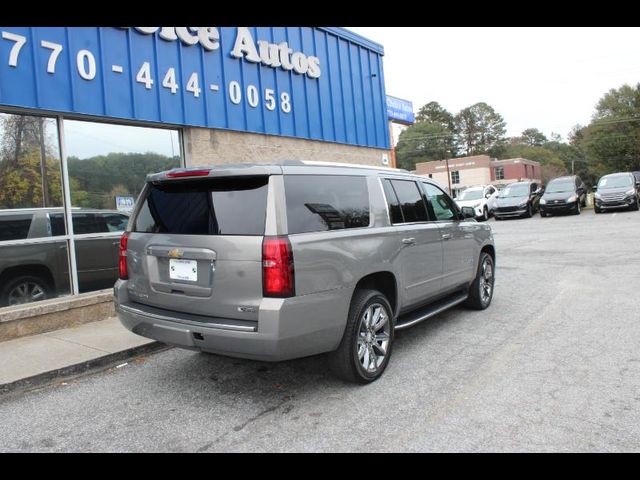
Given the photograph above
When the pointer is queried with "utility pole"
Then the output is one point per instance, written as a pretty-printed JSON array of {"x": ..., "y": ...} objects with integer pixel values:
[{"x": 446, "y": 160}]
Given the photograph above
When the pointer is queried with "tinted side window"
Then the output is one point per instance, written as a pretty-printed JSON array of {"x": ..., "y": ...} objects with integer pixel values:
[
  {"x": 395, "y": 214},
  {"x": 229, "y": 206},
  {"x": 57, "y": 224},
  {"x": 88, "y": 223},
  {"x": 411, "y": 201},
  {"x": 442, "y": 207},
  {"x": 317, "y": 203},
  {"x": 116, "y": 222},
  {"x": 15, "y": 227}
]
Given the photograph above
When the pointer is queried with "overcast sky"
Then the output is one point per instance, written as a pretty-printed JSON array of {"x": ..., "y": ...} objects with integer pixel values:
[
  {"x": 88, "y": 139},
  {"x": 547, "y": 78}
]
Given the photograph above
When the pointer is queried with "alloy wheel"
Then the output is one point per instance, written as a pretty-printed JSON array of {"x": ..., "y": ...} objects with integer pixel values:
[
  {"x": 26, "y": 292},
  {"x": 486, "y": 280},
  {"x": 374, "y": 333}
]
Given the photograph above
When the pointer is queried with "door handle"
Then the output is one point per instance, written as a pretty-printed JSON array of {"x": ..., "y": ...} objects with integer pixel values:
[
  {"x": 409, "y": 241},
  {"x": 446, "y": 236}
]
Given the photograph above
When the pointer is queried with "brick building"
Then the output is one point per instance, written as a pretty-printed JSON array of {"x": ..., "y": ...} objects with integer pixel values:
[{"x": 480, "y": 170}]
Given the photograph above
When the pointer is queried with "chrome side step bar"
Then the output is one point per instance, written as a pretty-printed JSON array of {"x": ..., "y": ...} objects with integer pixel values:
[{"x": 409, "y": 319}]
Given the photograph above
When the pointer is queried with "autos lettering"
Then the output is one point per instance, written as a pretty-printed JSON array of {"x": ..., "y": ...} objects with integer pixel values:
[
  {"x": 269, "y": 54},
  {"x": 274, "y": 55}
]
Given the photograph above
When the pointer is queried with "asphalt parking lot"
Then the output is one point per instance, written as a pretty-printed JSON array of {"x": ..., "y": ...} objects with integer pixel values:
[{"x": 552, "y": 365}]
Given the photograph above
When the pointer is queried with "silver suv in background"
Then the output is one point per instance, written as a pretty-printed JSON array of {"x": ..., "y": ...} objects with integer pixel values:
[
  {"x": 274, "y": 262},
  {"x": 36, "y": 271}
]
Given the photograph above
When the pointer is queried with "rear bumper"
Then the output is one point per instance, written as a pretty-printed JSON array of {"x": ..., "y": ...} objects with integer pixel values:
[{"x": 286, "y": 328}]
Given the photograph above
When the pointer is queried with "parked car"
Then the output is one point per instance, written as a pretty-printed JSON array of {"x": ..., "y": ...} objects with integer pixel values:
[
  {"x": 563, "y": 194},
  {"x": 481, "y": 198},
  {"x": 274, "y": 262},
  {"x": 37, "y": 271},
  {"x": 617, "y": 190},
  {"x": 519, "y": 199}
]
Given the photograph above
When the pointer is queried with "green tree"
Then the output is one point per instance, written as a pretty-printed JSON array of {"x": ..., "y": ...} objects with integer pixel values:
[
  {"x": 533, "y": 137},
  {"x": 422, "y": 142},
  {"x": 611, "y": 142},
  {"x": 479, "y": 129},
  {"x": 433, "y": 112},
  {"x": 29, "y": 165},
  {"x": 97, "y": 177}
]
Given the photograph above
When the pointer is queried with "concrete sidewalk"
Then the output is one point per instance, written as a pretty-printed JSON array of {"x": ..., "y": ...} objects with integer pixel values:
[{"x": 35, "y": 360}]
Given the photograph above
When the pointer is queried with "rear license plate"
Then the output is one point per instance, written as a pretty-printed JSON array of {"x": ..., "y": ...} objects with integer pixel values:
[{"x": 183, "y": 270}]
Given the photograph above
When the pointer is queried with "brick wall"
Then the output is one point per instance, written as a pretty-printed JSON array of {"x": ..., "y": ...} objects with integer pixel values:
[{"x": 208, "y": 146}]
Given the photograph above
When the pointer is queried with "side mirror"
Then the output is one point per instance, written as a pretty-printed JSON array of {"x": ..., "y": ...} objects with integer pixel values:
[
  {"x": 487, "y": 195},
  {"x": 594, "y": 188},
  {"x": 467, "y": 212}
]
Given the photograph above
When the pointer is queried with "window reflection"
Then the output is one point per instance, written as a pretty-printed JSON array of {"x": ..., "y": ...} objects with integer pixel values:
[
  {"x": 30, "y": 191},
  {"x": 108, "y": 165}
]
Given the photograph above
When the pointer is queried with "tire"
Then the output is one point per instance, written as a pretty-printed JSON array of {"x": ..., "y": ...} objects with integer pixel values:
[
  {"x": 347, "y": 362},
  {"x": 529, "y": 213},
  {"x": 481, "y": 293},
  {"x": 635, "y": 206},
  {"x": 542, "y": 214},
  {"x": 485, "y": 214},
  {"x": 25, "y": 289},
  {"x": 577, "y": 210},
  {"x": 597, "y": 210}
]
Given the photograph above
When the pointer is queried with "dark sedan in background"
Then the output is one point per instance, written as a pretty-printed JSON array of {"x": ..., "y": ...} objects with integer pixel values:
[
  {"x": 520, "y": 199},
  {"x": 563, "y": 195}
]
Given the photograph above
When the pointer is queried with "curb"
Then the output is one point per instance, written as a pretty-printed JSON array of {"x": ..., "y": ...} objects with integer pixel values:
[{"x": 45, "y": 378}]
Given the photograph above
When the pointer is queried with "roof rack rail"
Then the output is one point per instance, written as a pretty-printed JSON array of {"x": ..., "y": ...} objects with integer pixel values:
[{"x": 337, "y": 164}]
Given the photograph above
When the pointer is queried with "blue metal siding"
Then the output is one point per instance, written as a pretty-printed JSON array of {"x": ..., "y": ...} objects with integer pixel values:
[{"x": 345, "y": 104}]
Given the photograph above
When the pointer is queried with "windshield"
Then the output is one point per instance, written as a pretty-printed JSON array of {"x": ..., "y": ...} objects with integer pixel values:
[
  {"x": 561, "y": 186},
  {"x": 475, "y": 194},
  {"x": 518, "y": 190},
  {"x": 615, "y": 182}
]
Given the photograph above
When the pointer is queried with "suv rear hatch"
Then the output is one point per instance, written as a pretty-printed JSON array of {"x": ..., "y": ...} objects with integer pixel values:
[{"x": 195, "y": 245}]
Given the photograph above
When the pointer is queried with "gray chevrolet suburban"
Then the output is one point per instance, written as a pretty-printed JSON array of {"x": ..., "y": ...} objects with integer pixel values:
[{"x": 279, "y": 261}]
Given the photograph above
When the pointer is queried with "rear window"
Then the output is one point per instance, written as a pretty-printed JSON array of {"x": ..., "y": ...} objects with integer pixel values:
[
  {"x": 317, "y": 203},
  {"x": 15, "y": 227},
  {"x": 229, "y": 206}
]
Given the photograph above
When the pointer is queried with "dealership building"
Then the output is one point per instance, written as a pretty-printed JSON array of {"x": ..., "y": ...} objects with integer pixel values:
[
  {"x": 87, "y": 112},
  {"x": 464, "y": 172}
]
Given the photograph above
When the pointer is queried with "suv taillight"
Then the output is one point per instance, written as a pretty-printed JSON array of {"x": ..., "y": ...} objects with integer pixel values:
[
  {"x": 124, "y": 274},
  {"x": 277, "y": 267}
]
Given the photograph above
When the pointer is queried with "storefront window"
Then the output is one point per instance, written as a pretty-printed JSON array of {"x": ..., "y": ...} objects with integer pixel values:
[
  {"x": 107, "y": 167},
  {"x": 34, "y": 261}
]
